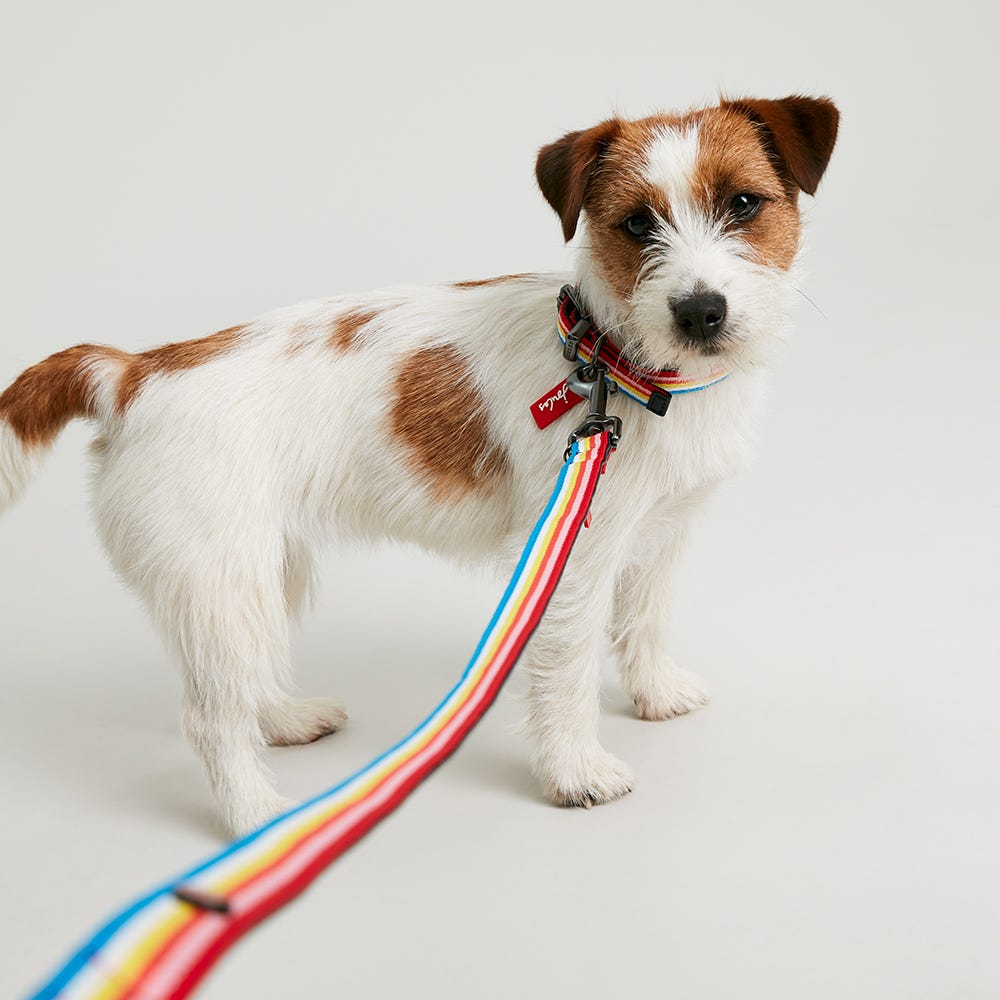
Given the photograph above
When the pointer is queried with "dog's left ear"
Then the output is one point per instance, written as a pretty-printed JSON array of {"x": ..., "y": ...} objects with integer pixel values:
[
  {"x": 564, "y": 169},
  {"x": 800, "y": 132}
]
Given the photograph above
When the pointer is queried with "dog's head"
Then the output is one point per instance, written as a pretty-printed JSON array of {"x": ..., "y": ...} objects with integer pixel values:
[{"x": 690, "y": 223}]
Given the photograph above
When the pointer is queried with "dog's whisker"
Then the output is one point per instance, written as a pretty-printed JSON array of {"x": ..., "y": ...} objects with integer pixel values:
[{"x": 810, "y": 301}]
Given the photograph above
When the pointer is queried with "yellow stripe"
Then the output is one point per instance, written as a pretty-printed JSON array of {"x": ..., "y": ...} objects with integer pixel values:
[{"x": 143, "y": 951}]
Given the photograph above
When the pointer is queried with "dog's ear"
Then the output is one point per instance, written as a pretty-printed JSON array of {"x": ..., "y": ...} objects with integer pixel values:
[
  {"x": 799, "y": 132},
  {"x": 564, "y": 169}
]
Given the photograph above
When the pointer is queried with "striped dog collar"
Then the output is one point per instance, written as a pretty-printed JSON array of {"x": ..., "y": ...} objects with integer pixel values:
[{"x": 652, "y": 389}]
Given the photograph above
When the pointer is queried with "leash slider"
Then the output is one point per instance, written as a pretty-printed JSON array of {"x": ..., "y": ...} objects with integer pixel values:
[
  {"x": 580, "y": 327},
  {"x": 202, "y": 900},
  {"x": 573, "y": 339}
]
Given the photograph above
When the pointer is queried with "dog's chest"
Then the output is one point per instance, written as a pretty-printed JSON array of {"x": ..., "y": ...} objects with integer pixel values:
[{"x": 703, "y": 438}]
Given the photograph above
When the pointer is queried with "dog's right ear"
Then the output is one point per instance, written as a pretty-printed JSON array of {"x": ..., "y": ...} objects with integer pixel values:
[{"x": 564, "y": 169}]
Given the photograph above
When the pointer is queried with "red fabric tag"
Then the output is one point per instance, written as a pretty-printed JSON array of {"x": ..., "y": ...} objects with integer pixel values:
[{"x": 557, "y": 401}]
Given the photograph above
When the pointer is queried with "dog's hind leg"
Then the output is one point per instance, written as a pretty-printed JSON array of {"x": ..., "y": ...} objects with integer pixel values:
[
  {"x": 284, "y": 720},
  {"x": 230, "y": 623}
]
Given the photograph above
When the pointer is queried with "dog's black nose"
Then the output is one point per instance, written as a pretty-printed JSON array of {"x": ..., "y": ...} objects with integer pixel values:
[{"x": 701, "y": 315}]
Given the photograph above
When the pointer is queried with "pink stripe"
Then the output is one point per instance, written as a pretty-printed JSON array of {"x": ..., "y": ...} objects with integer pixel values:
[{"x": 160, "y": 980}]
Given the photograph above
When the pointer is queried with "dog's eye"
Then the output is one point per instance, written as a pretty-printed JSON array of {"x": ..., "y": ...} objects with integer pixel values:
[
  {"x": 744, "y": 206},
  {"x": 639, "y": 226}
]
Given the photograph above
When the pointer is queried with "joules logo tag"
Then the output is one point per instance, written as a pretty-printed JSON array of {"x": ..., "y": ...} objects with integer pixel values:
[{"x": 557, "y": 401}]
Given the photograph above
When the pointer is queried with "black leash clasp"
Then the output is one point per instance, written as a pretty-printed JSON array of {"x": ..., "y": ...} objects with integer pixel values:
[{"x": 590, "y": 381}]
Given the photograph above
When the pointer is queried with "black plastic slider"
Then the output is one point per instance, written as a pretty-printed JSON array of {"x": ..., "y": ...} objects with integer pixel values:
[
  {"x": 573, "y": 339},
  {"x": 581, "y": 324},
  {"x": 202, "y": 900},
  {"x": 659, "y": 402}
]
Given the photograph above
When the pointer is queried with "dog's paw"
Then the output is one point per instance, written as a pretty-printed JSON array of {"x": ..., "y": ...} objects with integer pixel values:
[
  {"x": 247, "y": 816},
  {"x": 296, "y": 721},
  {"x": 669, "y": 693},
  {"x": 591, "y": 779}
]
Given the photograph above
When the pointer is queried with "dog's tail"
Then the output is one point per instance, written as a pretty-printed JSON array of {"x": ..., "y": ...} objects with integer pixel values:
[{"x": 79, "y": 382}]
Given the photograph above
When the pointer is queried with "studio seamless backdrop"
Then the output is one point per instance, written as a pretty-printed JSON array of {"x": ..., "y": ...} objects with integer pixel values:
[{"x": 825, "y": 826}]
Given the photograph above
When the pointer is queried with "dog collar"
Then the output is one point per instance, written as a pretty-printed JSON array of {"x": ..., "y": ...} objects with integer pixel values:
[{"x": 583, "y": 341}]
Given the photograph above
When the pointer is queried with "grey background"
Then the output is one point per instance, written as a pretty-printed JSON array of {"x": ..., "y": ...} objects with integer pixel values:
[{"x": 828, "y": 826}]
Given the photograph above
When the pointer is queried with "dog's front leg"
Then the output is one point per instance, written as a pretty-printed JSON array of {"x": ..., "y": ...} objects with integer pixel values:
[
  {"x": 639, "y": 624},
  {"x": 562, "y": 660}
]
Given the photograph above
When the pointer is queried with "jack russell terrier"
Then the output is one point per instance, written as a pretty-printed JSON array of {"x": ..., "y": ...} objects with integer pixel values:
[{"x": 426, "y": 415}]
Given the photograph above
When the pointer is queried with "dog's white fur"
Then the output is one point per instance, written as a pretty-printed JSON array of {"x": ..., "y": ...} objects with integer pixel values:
[{"x": 216, "y": 485}]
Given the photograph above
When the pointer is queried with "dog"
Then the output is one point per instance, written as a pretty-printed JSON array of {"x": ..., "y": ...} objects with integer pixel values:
[{"x": 405, "y": 414}]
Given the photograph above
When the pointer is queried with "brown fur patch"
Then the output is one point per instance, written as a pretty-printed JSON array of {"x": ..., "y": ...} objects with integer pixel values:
[
  {"x": 482, "y": 282},
  {"x": 299, "y": 337},
  {"x": 43, "y": 399},
  {"x": 439, "y": 416},
  {"x": 346, "y": 327},
  {"x": 172, "y": 358},
  {"x": 732, "y": 159},
  {"x": 618, "y": 189}
]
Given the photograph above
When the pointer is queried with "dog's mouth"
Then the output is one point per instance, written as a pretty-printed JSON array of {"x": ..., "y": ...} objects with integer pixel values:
[
  {"x": 706, "y": 345},
  {"x": 701, "y": 342}
]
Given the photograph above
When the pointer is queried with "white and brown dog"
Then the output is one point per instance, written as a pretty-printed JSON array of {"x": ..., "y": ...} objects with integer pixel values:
[{"x": 222, "y": 462}]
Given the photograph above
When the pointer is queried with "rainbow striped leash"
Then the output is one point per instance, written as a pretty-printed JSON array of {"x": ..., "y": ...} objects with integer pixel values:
[
  {"x": 161, "y": 946},
  {"x": 652, "y": 389}
]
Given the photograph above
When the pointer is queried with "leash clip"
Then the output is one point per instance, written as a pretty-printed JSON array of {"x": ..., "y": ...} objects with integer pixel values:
[{"x": 590, "y": 382}]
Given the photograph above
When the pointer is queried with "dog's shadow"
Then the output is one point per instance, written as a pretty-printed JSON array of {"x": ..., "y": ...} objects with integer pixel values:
[
  {"x": 125, "y": 746},
  {"x": 113, "y": 734},
  {"x": 505, "y": 772}
]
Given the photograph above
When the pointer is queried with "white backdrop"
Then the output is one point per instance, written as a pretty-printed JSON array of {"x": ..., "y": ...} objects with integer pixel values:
[{"x": 828, "y": 826}]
